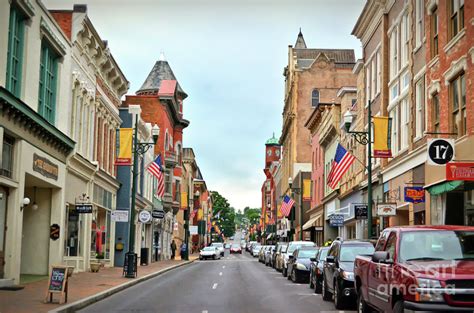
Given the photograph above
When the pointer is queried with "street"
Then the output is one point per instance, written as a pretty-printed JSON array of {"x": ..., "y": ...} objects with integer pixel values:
[{"x": 234, "y": 284}]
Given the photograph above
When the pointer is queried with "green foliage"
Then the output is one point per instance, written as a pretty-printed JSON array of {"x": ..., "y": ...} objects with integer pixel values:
[{"x": 224, "y": 214}]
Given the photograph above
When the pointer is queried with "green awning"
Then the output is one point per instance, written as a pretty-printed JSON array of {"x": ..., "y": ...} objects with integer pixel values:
[{"x": 445, "y": 187}]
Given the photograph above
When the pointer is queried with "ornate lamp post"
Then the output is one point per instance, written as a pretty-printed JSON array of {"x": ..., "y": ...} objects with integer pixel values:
[
  {"x": 139, "y": 148},
  {"x": 293, "y": 191},
  {"x": 364, "y": 138}
]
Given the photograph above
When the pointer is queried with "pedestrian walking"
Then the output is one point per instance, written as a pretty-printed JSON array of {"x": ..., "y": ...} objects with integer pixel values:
[
  {"x": 173, "y": 249},
  {"x": 182, "y": 250}
]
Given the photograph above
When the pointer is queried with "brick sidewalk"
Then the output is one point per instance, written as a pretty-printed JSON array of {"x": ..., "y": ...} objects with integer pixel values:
[{"x": 81, "y": 285}]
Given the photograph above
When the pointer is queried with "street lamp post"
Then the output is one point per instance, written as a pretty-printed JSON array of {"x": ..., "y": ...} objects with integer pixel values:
[
  {"x": 139, "y": 148},
  {"x": 364, "y": 138}
]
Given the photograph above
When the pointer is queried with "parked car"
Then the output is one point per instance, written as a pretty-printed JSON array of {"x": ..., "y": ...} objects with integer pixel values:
[
  {"x": 209, "y": 253},
  {"x": 227, "y": 246},
  {"x": 281, "y": 250},
  {"x": 243, "y": 244},
  {"x": 261, "y": 254},
  {"x": 299, "y": 263},
  {"x": 292, "y": 246},
  {"x": 220, "y": 246},
  {"x": 433, "y": 264},
  {"x": 235, "y": 248},
  {"x": 268, "y": 255},
  {"x": 316, "y": 270},
  {"x": 249, "y": 245},
  {"x": 338, "y": 270},
  {"x": 256, "y": 249}
]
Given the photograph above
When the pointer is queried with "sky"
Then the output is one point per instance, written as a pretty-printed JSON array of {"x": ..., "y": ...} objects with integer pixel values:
[{"x": 228, "y": 56}]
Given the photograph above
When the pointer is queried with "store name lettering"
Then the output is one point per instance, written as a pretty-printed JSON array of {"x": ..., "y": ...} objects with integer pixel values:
[{"x": 45, "y": 167}]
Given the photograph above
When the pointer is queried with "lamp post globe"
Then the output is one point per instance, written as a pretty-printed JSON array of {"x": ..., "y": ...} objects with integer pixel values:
[
  {"x": 155, "y": 132},
  {"x": 290, "y": 181},
  {"x": 348, "y": 117}
]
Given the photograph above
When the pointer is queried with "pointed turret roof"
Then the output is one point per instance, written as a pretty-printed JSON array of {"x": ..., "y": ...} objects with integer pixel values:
[
  {"x": 272, "y": 141},
  {"x": 159, "y": 73},
  {"x": 300, "y": 43}
]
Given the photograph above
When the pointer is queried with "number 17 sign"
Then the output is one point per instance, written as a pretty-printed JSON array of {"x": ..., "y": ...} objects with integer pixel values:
[{"x": 440, "y": 151}]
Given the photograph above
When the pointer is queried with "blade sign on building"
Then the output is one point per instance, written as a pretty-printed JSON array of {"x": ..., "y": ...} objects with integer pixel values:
[
  {"x": 440, "y": 151},
  {"x": 414, "y": 194},
  {"x": 460, "y": 171}
]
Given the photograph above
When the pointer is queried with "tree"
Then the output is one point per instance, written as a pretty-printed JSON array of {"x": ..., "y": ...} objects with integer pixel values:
[{"x": 224, "y": 214}]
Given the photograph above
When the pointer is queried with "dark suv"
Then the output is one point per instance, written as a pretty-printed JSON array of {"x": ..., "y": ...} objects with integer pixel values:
[{"x": 338, "y": 271}]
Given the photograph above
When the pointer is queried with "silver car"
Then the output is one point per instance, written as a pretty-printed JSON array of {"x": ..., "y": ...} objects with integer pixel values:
[
  {"x": 268, "y": 255},
  {"x": 256, "y": 249},
  {"x": 292, "y": 246}
]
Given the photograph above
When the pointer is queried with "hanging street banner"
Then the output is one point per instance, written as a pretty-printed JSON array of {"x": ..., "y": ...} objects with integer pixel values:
[
  {"x": 184, "y": 200},
  {"x": 440, "y": 151},
  {"x": 414, "y": 194},
  {"x": 382, "y": 131},
  {"x": 336, "y": 220},
  {"x": 307, "y": 190},
  {"x": 386, "y": 209},
  {"x": 460, "y": 171},
  {"x": 124, "y": 156},
  {"x": 361, "y": 211}
]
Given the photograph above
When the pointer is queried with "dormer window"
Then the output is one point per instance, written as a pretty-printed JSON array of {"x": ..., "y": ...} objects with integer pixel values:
[{"x": 315, "y": 98}]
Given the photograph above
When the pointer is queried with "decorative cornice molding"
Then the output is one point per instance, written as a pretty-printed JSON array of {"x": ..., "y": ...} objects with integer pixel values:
[
  {"x": 456, "y": 67},
  {"x": 54, "y": 40},
  {"x": 433, "y": 88}
]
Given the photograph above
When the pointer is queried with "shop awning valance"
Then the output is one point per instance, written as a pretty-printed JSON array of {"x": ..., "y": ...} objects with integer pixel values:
[
  {"x": 444, "y": 187},
  {"x": 312, "y": 221}
]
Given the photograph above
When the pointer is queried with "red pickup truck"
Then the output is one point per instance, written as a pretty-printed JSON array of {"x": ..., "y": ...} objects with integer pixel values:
[{"x": 418, "y": 268}]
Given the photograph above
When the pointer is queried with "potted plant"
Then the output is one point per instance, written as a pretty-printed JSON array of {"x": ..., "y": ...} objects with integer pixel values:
[{"x": 95, "y": 266}]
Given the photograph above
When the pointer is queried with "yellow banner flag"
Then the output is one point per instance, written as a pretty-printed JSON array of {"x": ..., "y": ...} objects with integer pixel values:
[
  {"x": 382, "y": 129},
  {"x": 124, "y": 156},
  {"x": 279, "y": 214},
  {"x": 200, "y": 214},
  {"x": 184, "y": 200},
  {"x": 306, "y": 189}
]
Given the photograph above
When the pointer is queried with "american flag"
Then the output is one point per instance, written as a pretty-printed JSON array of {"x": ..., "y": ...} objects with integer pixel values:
[
  {"x": 287, "y": 205},
  {"x": 193, "y": 213},
  {"x": 342, "y": 161},
  {"x": 156, "y": 170}
]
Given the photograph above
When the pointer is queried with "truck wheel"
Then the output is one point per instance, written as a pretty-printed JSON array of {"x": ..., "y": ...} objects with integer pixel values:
[
  {"x": 399, "y": 307},
  {"x": 361, "y": 305},
  {"x": 327, "y": 296}
]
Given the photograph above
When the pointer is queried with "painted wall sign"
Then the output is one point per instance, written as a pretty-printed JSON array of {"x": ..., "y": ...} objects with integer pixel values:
[
  {"x": 386, "y": 209},
  {"x": 83, "y": 208},
  {"x": 119, "y": 216},
  {"x": 460, "y": 171},
  {"x": 144, "y": 216},
  {"x": 54, "y": 231},
  {"x": 414, "y": 194},
  {"x": 45, "y": 167},
  {"x": 336, "y": 220},
  {"x": 440, "y": 151},
  {"x": 361, "y": 211}
]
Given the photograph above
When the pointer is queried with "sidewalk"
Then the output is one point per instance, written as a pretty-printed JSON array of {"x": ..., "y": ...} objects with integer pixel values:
[{"x": 81, "y": 285}]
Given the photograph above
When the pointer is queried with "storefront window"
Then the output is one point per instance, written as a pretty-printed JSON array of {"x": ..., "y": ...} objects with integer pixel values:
[
  {"x": 73, "y": 231},
  {"x": 100, "y": 231},
  {"x": 469, "y": 205}
]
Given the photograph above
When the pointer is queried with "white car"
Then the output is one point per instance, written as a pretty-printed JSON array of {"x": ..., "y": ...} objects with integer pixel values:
[
  {"x": 256, "y": 249},
  {"x": 220, "y": 246},
  {"x": 209, "y": 253}
]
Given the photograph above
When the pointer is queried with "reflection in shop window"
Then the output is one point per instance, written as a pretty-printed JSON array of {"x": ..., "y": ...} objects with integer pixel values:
[
  {"x": 73, "y": 231},
  {"x": 100, "y": 231}
]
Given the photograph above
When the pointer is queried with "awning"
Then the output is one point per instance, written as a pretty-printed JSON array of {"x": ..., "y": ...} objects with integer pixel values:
[
  {"x": 312, "y": 221},
  {"x": 444, "y": 187}
]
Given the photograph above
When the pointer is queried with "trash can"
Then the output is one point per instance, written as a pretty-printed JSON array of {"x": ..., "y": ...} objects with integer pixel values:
[{"x": 144, "y": 256}]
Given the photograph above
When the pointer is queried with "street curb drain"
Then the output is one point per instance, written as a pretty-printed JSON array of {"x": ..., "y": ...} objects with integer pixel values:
[{"x": 82, "y": 303}]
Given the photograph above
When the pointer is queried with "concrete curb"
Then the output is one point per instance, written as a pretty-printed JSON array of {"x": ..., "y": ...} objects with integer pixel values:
[{"x": 82, "y": 303}]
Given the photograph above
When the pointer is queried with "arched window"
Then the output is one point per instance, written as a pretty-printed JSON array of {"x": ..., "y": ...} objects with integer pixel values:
[{"x": 315, "y": 98}]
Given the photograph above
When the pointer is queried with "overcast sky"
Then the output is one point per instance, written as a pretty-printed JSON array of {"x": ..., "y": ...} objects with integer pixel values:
[{"x": 228, "y": 56}]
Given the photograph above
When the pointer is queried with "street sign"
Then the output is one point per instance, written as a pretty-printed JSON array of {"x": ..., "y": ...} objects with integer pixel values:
[
  {"x": 193, "y": 230},
  {"x": 144, "y": 216},
  {"x": 119, "y": 216},
  {"x": 386, "y": 209},
  {"x": 83, "y": 208},
  {"x": 460, "y": 171},
  {"x": 440, "y": 151},
  {"x": 414, "y": 194},
  {"x": 54, "y": 232},
  {"x": 361, "y": 211},
  {"x": 336, "y": 220},
  {"x": 159, "y": 214}
]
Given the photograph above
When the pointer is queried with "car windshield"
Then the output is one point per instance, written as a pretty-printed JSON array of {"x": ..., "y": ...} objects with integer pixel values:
[
  {"x": 257, "y": 247},
  {"x": 209, "y": 249},
  {"x": 349, "y": 252},
  {"x": 323, "y": 254},
  {"x": 235, "y": 246},
  {"x": 437, "y": 245},
  {"x": 284, "y": 248},
  {"x": 306, "y": 254},
  {"x": 216, "y": 244},
  {"x": 294, "y": 246}
]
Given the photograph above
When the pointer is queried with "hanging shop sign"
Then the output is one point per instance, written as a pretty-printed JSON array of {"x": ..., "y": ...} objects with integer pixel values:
[
  {"x": 54, "y": 231},
  {"x": 386, "y": 209},
  {"x": 83, "y": 208},
  {"x": 144, "y": 216},
  {"x": 159, "y": 214},
  {"x": 45, "y": 167},
  {"x": 414, "y": 194},
  {"x": 336, "y": 220},
  {"x": 460, "y": 171},
  {"x": 360, "y": 211},
  {"x": 119, "y": 216},
  {"x": 440, "y": 151},
  {"x": 193, "y": 230}
]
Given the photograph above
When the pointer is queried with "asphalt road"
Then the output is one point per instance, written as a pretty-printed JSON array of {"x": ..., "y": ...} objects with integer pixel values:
[{"x": 234, "y": 284}]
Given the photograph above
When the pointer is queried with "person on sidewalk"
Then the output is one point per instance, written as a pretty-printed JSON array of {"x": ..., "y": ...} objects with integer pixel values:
[
  {"x": 183, "y": 250},
  {"x": 173, "y": 249}
]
